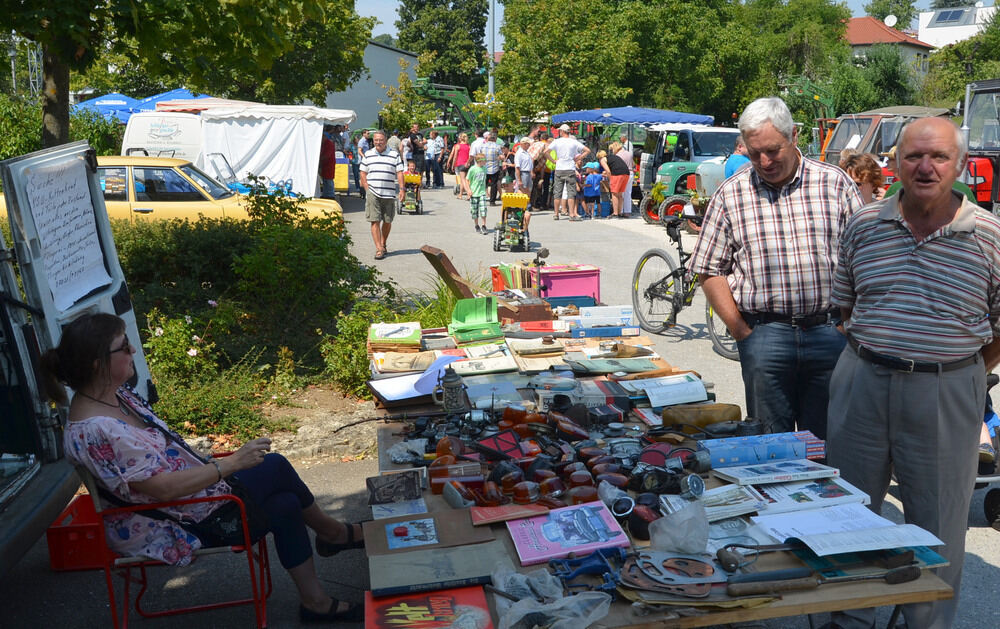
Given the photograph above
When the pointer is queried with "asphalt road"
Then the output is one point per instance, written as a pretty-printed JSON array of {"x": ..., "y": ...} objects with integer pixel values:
[{"x": 34, "y": 596}]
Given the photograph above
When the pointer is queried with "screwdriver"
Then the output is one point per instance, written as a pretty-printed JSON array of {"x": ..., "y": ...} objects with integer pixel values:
[{"x": 895, "y": 576}]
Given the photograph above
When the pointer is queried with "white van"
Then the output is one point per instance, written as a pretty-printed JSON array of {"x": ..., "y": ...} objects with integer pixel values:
[
  {"x": 67, "y": 265},
  {"x": 164, "y": 134}
]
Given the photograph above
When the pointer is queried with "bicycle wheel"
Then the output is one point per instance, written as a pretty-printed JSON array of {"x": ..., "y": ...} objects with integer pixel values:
[
  {"x": 656, "y": 288},
  {"x": 722, "y": 342}
]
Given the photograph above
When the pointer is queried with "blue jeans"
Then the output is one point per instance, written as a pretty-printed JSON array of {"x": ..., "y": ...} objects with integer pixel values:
[
  {"x": 786, "y": 373},
  {"x": 433, "y": 172},
  {"x": 277, "y": 488}
]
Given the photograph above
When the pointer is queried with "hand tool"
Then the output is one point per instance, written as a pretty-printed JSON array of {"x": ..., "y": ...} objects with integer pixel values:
[
  {"x": 892, "y": 577},
  {"x": 732, "y": 560},
  {"x": 597, "y": 563}
]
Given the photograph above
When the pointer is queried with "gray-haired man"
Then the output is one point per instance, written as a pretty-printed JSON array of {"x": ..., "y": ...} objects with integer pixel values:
[{"x": 766, "y": 254}]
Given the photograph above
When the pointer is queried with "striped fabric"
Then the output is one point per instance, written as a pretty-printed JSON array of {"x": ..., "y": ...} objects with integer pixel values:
[
  {"x": 383, "y": 181},
  {"x": 777, "y": 247},
  {"x": 929, "y": 301}
]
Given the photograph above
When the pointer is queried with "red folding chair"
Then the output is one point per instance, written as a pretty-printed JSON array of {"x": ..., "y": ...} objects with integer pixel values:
[{"x": 258, "y": 563}]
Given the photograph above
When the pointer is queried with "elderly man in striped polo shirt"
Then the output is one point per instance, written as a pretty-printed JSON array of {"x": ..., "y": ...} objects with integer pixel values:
[
  {"x": 766, "y": 254},
  {"x": 382, "y": 179},
  {"x": 918, "y": 285}
]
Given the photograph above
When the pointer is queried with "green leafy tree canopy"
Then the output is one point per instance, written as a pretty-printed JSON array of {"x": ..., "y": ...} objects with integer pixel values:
[
  {"x": 904, "y": 11},
  {"x": 452, "y": 30},
  {"x": 187, "y": 38},
  {"x": 403, "y": 106}
]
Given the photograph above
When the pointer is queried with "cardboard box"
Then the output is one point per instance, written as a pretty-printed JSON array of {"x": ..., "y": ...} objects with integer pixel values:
[{"x": 569, "y": 280}]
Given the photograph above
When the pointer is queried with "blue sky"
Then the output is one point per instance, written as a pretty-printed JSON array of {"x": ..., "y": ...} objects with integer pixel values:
[{"x": 385, "y": 11}]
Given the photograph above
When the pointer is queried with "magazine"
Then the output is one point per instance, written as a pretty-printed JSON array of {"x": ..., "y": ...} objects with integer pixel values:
[
  {"x": 454, "y": 608},
  {"x": 720, "y": 503},
  {"x": 578, "y": 529},
  {"x": 801, "y": 495},
  {"x": 776, "y": 472}
]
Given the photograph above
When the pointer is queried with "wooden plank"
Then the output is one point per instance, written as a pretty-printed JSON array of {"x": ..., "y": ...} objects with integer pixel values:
[{"x": 448, "y": 273}]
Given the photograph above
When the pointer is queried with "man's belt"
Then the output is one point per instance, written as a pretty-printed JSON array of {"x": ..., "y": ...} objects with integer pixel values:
[
  {"x": 905, "y": 364},
  {"x": 800, "y": 321}
]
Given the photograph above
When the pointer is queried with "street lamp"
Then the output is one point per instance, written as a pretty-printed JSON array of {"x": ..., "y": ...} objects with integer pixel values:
[{"x": 12, "y": 53}]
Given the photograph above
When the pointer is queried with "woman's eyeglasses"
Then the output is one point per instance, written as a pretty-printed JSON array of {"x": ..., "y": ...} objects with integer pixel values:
[{"x": 125, "y": 347}]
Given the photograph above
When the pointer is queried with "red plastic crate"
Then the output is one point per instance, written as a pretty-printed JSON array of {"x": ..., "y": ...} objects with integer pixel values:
[{"x": 73, "y": 538}]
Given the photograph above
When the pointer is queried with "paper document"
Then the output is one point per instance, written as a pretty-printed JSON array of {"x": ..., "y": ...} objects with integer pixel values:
[
  {"x": 843, "y": 529},
  {"x": 675, "y": 390}
]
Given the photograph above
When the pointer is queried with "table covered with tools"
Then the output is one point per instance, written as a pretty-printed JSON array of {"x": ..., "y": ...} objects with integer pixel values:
[{"x": 531, "y": 474}]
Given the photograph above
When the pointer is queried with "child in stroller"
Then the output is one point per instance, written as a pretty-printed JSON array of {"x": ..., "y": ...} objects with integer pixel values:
[{"x": 411, "y": 197}]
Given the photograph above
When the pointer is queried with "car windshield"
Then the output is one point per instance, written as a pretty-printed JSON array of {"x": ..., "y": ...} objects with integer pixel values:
[
  {"x": 214, "y": 189},
  {"x": 848, "y": 134},
  {"x": 983, "y": 121},
  {"x": 714, "y": 143}
]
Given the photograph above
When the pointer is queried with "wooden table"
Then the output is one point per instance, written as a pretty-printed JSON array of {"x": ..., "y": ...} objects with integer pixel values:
[{"x": 833, "y": 597}]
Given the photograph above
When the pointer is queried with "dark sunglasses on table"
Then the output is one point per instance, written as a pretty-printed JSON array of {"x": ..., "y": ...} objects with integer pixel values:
[{"x": 125, "y": 347}]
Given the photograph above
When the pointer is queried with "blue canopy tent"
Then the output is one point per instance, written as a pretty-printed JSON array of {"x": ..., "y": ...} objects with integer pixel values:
[
  {"x": 640, "y": 116},
  {"x": 112, "y": 106},
  {"x": 149, "y": 103}
]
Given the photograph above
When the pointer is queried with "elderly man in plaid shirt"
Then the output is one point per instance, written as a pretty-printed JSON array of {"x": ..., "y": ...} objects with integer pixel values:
[
  {"x": 766, "y": 254},
  {"x": 491, "y": 150}
]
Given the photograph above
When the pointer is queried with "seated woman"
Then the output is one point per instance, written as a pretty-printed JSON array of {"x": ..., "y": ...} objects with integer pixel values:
[{"x": 134, "y": 456}]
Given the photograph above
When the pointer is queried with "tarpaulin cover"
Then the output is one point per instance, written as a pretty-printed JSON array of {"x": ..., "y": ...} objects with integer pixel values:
[
  {"x": 112, "y": 106},
  {"x": 278, "y": 142},
  {"x": 149, "y": 103},
  {"x": 640, "y": 116},
  {"x": 196, "y": 105}
]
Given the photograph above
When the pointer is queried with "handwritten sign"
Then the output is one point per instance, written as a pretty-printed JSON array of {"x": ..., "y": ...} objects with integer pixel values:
[{"x": 59, "y": 199}]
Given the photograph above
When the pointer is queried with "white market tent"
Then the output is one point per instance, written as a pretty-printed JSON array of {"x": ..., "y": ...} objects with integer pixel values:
[{"x": 280, "y": 142}]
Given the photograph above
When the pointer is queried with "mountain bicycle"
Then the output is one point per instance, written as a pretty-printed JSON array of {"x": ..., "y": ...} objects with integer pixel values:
[{"x": 661, "y": 289}]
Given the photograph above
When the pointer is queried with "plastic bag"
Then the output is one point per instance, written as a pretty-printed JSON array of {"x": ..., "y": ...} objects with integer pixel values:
[
  {"x": 527, "y": 586},
  {"x": 683, "y": 532},
  {"x": 569, "y": 612},
  {"x": 407, "y": 451},
  {"x": 608, "y": 493}
]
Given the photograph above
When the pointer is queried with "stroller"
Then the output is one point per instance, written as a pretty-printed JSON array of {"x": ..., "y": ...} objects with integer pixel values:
[{"x": 411, "y": 194}]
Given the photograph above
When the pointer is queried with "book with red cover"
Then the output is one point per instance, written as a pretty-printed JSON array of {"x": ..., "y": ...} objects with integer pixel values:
[
  {"x": 463, "y": 608},
  {"x": 578, "y": 529},
  {"x": 490, "y": 515}
]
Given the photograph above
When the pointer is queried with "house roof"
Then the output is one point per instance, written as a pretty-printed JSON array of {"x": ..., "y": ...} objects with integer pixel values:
[{"x": 865, "y": 31}]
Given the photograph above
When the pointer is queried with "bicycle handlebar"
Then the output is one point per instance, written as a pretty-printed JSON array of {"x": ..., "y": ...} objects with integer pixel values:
[{"x": 674, "y": 219}]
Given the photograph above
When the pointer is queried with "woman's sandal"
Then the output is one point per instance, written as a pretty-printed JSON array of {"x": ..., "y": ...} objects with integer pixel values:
[
  {"x": 329, "y": 549},
  {"x": 353, "y": 613}
]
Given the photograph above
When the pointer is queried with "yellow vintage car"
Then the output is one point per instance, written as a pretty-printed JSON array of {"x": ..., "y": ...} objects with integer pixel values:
[{"x": 159, "y": 188}]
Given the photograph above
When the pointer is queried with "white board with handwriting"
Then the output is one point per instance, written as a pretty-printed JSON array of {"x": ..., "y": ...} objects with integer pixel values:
[{"x": 59, "y": 199}]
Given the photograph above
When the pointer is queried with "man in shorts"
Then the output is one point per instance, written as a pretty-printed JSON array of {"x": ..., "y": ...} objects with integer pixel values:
[
  {"x": 568, "y": 152},
  {"x": 382, "y": 179}
]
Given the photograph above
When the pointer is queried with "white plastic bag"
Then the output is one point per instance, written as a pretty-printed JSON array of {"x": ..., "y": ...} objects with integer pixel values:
[{"x": 685, "y": 531}]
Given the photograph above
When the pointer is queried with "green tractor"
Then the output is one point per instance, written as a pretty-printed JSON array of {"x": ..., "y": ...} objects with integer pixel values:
[{"x": 671, "y": 155}]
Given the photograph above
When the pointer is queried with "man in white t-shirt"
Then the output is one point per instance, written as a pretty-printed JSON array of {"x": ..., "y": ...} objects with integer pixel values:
[{"x": 568, "y": 151}]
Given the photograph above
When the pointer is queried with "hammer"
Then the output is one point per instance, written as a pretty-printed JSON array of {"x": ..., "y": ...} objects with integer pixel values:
[{"x": 892, "y": 577}]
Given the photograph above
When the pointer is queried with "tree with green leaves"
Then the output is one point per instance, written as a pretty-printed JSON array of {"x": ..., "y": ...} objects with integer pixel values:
[
  {"x": 972, "y": 59},
  {"x": 564, "y": 55},
  {"x": 403, "y": 106},
  {"x": 453, "y": 30},
  {"x": 904, "y": 11},
  {"x": 949, "y": 4},
  {"x": 186, "y": 38},
  {"x": 386, "y": 40}
]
